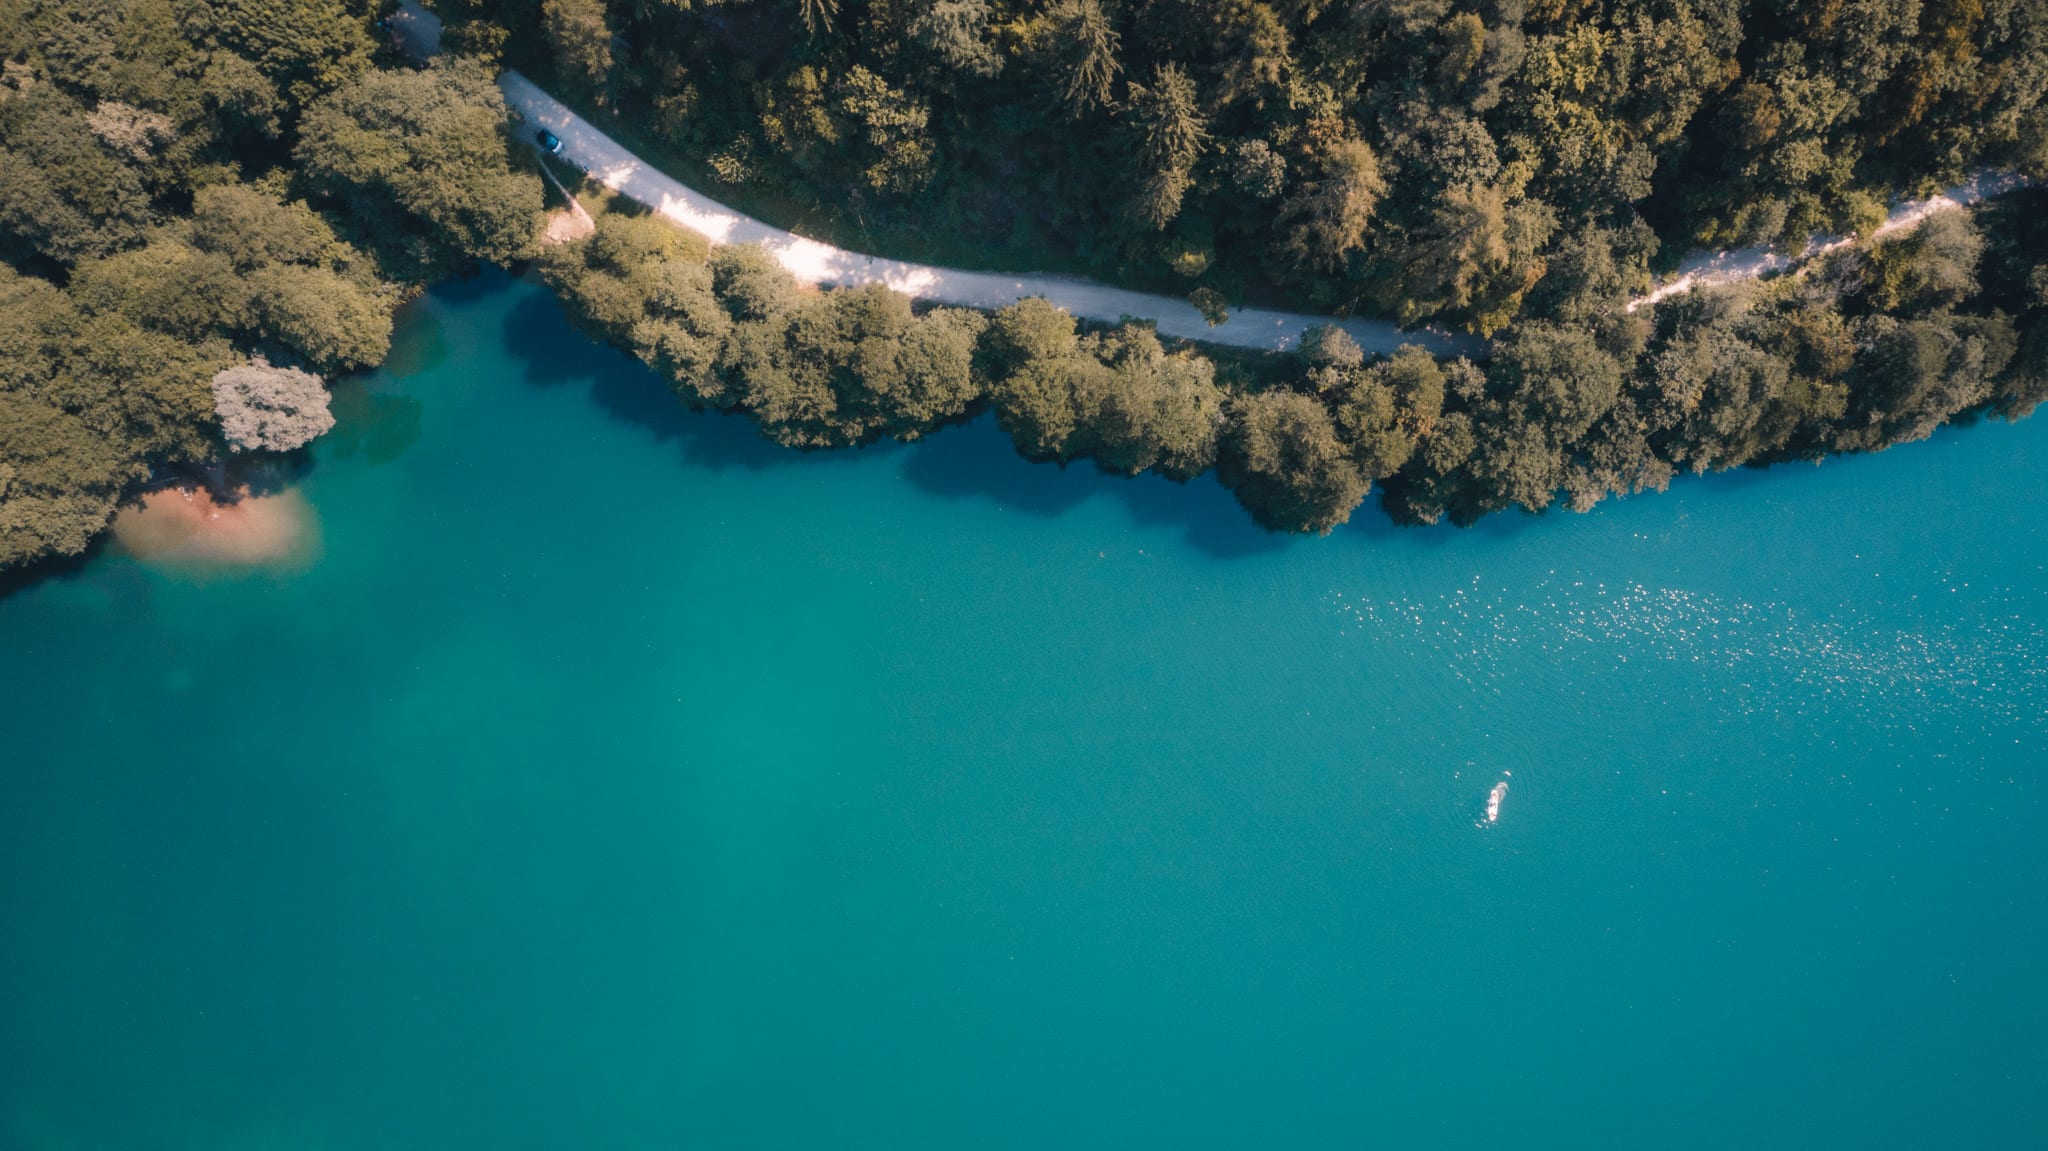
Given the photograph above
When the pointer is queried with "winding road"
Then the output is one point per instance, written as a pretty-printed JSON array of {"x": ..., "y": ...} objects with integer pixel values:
[
  {"x": 610, "y": 164},
  {"x": 1707, "y": 269},
  {"x": 418, "y": 32}
]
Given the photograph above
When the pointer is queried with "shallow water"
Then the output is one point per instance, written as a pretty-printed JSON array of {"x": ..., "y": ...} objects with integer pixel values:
[{"x": 614, "y": 779}]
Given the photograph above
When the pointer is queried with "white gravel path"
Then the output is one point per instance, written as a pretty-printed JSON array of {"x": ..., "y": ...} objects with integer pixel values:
[
  {"x": 1707, "y": 269},
  {"x": 418, "y": 32},
  {"x": 611, "y": 164}
]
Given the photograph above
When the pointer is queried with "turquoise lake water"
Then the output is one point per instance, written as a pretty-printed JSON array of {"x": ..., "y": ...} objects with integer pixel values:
[{"x": 612, "y": 779}]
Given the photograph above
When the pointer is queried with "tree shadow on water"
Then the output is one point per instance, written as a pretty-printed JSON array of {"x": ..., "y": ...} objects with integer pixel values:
[
  {"x": 552, "y": 353},
  {"x": 548, "y": 350},
  {"x": 977, "y": 460},
  {"x": 472, "y": 286},
  {"x": 969, "y": 460},
  {"x": 419, "y": 341},
  {"x": 266, "y": 474},
  {"x": 632, "y": 393},
  {"x": 51, "y": 569},
  {"x": 1372, "y": 524},
  {"x": 379, "y": 426}
]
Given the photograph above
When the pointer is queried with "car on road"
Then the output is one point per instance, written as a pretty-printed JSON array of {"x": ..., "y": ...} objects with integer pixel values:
[{"x": 549, "y": 142}]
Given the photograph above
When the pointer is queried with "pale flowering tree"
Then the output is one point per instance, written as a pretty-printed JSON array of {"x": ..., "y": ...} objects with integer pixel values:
[
  {"x": 270, "y": 409},
  {"x": 136, "y": 133}
]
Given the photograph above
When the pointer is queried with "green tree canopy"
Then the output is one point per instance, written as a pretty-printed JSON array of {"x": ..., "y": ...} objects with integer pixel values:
[
  {"x": 1285, "y": 460},
  {"x": 422, "y": 163}
]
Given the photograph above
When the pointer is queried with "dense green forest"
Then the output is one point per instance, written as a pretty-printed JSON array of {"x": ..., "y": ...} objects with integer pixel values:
[
  {"x": 1511, "y": 168},
  {"x": 1425, "y": 159},
  {"x": 1868, "y": 348},
  {"x": 192, "y": 189},
  {"x": 211, "y": 205}
]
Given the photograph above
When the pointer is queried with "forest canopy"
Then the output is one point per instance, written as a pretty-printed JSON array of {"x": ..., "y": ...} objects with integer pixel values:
[
  {"x": 1516, "y": 168},
  {"x": 1793, "y": 369},
  {"x": 215, "y": 206},
  {"x": 200, "y": 191},
  {"x": 1423, "y": 159}
]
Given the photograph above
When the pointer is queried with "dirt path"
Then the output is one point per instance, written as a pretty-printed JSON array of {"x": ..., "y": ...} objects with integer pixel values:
[
  {"x": 1707, "y": 269},
  {"x": 569, "y": 222}
]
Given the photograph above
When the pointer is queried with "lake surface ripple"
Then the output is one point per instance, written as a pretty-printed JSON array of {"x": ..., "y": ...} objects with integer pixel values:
[{"x": 611, "y": 778}]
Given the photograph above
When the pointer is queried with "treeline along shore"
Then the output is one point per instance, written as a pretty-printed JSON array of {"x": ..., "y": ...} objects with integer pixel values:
[
  {"x": 1872, "y": 348},
  {"x": 209, "y": 207}
]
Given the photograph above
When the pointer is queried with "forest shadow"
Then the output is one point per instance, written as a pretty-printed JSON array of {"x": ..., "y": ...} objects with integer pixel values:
[
  {"x": 52, "y": 569},
  {"x": 548, "y": 351},
  {"x": 270, "y": 474},
  {"x": 379, "y": 426},
  {"x": 973, "y": 459},
  {"x": 977, "y": 461},
  {"x": 476, "y": 284},
  {"x": 552, "y": 353},
  {"x": 419, "y": 340},
  {"x": 1373, "y": 523}
]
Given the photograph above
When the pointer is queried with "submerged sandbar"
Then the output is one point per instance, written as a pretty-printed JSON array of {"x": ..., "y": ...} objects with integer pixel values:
[{"x": 191, "y": 527}]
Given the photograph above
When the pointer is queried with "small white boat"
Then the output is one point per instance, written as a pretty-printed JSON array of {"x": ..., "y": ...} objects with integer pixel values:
[{"x": 1493, "y": 799}]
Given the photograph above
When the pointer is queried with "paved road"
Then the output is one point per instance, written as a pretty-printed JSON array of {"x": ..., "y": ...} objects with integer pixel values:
[
  {"x": 417, "y": 30},
  {"x": 815, "y": 262},
  {"x": 611, "y": 164}
]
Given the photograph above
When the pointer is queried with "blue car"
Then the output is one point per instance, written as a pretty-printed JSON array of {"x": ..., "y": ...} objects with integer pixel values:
[{"x": 549, "y": 142}]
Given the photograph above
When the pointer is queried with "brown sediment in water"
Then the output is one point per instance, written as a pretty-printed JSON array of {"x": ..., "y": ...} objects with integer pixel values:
[{"x": 190, "y": 527}]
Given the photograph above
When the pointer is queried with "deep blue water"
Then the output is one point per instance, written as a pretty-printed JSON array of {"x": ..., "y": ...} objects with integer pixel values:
[{"x": 611, "y": 779}]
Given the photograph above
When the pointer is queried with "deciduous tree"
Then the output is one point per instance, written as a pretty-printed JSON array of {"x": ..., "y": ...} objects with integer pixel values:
[{"x": 270, "y": 409}]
